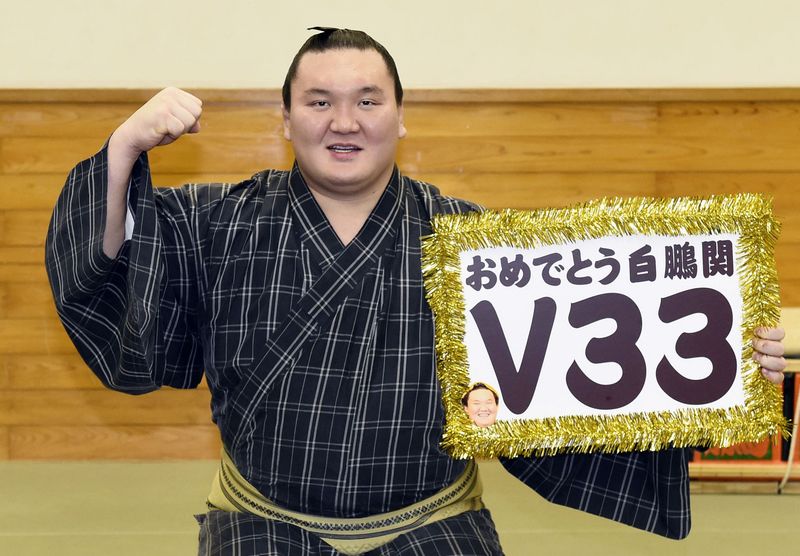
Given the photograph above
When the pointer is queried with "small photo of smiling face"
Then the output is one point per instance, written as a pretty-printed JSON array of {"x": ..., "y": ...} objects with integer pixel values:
[{"x": 480, "y": 403}]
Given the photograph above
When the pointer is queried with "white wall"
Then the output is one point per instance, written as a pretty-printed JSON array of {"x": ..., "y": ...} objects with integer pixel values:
[{"x": 437, "y": 44}]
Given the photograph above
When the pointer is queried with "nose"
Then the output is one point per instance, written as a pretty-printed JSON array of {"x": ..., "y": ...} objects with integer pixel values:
[{"x": 344, "y": 120}]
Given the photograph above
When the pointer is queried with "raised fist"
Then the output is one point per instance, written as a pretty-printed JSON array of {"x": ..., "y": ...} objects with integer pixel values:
[{"x": 164, "y": 118}]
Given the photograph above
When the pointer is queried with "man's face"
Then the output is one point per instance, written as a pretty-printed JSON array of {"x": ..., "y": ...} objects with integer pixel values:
[
  {"x": 481, "y": 407},
  {"x": 344, "y": 122}
]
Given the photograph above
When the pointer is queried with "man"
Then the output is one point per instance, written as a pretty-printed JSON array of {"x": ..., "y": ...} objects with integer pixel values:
[
  {"x": 299, "y": 295},
  {"x": 480, "y": 404}
]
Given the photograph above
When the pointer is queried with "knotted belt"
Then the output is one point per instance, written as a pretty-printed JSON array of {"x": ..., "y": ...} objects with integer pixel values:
[{"x": 231, "y": 492}]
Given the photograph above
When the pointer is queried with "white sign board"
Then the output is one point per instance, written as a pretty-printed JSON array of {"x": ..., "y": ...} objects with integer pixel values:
[{"x": 601, "y": 342}]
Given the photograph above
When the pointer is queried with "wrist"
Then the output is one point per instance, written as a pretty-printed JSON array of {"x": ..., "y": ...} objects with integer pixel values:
[{"x": 121, "y": 148}]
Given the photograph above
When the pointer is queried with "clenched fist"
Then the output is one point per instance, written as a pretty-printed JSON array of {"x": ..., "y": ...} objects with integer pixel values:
[{"x": 163, "y": 119}]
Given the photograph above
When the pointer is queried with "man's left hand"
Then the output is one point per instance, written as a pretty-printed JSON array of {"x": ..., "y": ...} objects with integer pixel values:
[{"x": 768, "y": 352}]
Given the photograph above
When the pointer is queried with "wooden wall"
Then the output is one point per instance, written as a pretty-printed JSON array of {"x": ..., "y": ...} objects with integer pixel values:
[{"x": 521, "y": 149}]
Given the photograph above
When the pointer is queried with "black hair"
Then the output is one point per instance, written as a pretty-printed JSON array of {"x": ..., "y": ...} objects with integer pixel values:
[{"x": 330, "y": 38}]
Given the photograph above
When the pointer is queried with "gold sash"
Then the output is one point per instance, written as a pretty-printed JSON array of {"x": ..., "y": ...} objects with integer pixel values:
[{"x": 230, "y": 492}]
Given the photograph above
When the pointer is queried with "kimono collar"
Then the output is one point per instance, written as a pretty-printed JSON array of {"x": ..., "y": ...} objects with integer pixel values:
[{"x": 313, "y": 229}]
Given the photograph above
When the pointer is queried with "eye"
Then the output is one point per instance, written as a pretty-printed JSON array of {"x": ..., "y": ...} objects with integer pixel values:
[
  {"x": 320, "y": 104},
  {"x": 367, "y": 102}
]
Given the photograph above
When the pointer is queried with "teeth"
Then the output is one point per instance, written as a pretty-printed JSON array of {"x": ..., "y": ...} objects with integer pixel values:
[{"x": 343, "y": 148}]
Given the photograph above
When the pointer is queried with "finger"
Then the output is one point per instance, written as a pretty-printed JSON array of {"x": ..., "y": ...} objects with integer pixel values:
[
  {"x": 768, "y": 347},
  {"x": 180, "y": 120},
  {"x": 770, "y": 362},
  {"x": 195, "y": 128},
  {"x": 166, "y": 141},
  {"x": 172, "y": 97},
  {"x": 777, "y": 334},
  {"x": 189, "y": 97},
  {"x": 773, "y": 376},
  {"x": 191, "y": 104},
  {"x": 175, "y": 127},
  {"x": 187, "y": 116}
]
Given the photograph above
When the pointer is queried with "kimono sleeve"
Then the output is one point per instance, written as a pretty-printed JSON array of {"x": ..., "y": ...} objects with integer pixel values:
[
  {"x": 133, "y": 319},
  {"x": 647, "y": 490}
]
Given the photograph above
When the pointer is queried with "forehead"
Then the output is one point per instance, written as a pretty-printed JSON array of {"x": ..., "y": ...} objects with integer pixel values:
[
  {"x": 342, "y": 69},
  {"x": 481, "y": 394}
]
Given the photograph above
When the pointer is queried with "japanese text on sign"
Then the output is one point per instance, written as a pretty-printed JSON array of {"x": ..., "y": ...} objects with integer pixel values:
[{"x": 605, "y": 326}]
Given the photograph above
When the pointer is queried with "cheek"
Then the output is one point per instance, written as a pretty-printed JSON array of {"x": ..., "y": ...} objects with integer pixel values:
[
  {"x": 305, "y": 130},
  {"x": 385, "y": 132}
]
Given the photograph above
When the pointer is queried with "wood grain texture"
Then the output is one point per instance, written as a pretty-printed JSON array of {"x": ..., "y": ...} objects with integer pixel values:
[
  {"x": 100, "y": 120},
  {"x": 495, "y": 153},
  {"x": 584, "y": 95},
  {"x": 104, "y": 407},
  {"x": 23, "y": 228},
  {"x": 500, "y": 148},
  {"x": 21, "y": 255},
  {"x": 738, "y": 470},
  {"x": 48, "y": 372},
  {"x": 43, "y": 336},
  {"x": 716, "y": 119},
  {"x": 114, "y": 442},
  {"x": 4, "y": 444},
  {"x": 598, "y": 154},
  {"x": 530, "y": 120},
  {"x": 38, "y": 192},
  {"x": 30, "y": 191},
  {"x": 790, "y": 295},
  {"x": 25, "y": 273},
  {"x": 538, "y": 190},
  {"x": 51, "y": 372},
  {"x": 21, "y": 300},
  {"x": 790, "y": 321},
  {"x": 197, "y": 153}
]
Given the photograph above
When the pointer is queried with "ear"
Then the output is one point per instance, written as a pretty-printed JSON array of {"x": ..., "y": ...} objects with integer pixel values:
[
  {"x": 286, "y": 131},
  {"x": 401, "y": 129}
]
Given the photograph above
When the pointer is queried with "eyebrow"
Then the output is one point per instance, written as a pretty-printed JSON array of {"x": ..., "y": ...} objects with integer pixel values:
[{"x": 368, "y": 89}]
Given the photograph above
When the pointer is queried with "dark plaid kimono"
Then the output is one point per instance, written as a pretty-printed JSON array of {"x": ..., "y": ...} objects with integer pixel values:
[{"x": 319, "y": 356}]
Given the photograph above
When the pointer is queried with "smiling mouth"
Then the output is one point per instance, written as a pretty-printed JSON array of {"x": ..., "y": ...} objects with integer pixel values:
[{"x": 344, "y": 148}]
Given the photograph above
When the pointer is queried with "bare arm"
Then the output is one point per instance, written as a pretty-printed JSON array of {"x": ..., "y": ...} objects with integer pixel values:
[{"x": 162, "y": 120}]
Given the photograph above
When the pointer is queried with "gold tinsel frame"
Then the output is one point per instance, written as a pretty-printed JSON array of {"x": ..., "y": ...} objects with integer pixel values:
[{"x": 748, "y": 215}]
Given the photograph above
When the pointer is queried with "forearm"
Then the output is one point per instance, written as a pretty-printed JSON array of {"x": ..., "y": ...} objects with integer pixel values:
[{"x": 121, "y": 159}]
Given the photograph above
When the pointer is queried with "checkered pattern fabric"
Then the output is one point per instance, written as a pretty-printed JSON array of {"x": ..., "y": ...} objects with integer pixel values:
[
  {"x": 350, "y": 423},
  {"x": 648, "y": 490}
]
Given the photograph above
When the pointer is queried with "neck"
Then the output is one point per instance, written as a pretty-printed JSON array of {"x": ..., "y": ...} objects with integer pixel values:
[{"x": 346, "y": 214}]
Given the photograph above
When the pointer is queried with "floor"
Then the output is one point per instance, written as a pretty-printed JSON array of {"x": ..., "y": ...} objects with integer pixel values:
[{"x": 124, "y": 509}]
